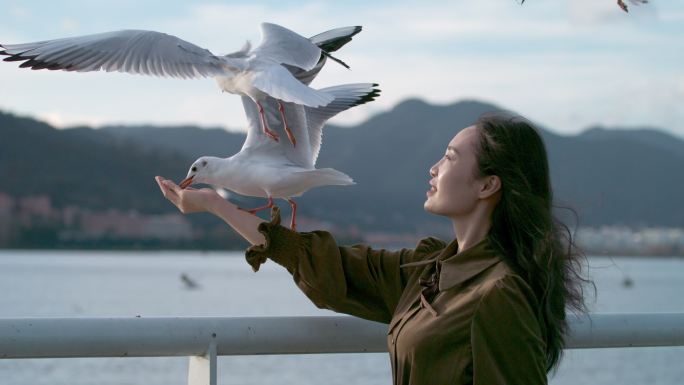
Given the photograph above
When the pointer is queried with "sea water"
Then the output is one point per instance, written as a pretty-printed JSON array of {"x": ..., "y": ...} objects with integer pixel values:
[{"x": 98, "y": 283}]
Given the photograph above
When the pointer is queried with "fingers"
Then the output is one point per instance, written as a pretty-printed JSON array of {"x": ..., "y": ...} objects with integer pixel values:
[
  {"x": 167, "y": 190},
  {"x": 159, "y": 179},
  {"x": 169, "y": 186},
  {"x": 174, "y": 187}
]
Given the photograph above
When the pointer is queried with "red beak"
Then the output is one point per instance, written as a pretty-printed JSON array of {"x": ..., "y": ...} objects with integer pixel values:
[{"x": 186, "y": 182}]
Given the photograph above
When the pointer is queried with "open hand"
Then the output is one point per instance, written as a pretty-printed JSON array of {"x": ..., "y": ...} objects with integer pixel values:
[{"x": 188, "y": 200}]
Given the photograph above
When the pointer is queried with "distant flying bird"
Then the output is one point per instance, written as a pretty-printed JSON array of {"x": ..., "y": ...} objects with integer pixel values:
[
  {"x": 268, "y": 169},
  {"x": 260, "y": 73},
  {"x": 622, "y": 4},
  {"x": 188, "y": 282}
]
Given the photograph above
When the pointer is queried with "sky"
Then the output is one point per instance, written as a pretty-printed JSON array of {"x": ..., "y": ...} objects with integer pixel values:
[{"x": 567, "y": 65}]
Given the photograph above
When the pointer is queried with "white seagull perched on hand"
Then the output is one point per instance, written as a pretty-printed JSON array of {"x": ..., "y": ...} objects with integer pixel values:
[
  {"x": 268, "y": 169},
  {"x": 259, "y": 73}
]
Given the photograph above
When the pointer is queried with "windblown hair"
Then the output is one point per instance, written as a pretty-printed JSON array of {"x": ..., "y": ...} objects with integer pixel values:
[{"x": 525, "y": 231}]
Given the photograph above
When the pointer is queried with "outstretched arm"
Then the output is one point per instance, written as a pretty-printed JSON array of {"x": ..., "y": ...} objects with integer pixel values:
[
  {"x": 192, "y": 200},
  {"x": 355, "y": 280}
]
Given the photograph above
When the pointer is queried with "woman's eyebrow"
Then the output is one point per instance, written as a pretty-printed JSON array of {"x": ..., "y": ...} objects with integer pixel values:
[{"x": 453, "y": 149}]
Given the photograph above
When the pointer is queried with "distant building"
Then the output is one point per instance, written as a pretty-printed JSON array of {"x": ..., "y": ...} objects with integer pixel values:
[
  {"x": 167, "y": 227},
  {"x": 6, "y": 209},
  {"x": 111, "y": 224},
  {"x": 617, "y": 240},
  {"x": 71, "y": 216},
  {"x": 35, "y": 210},
  {"x": 72, "y": 225},
  {"x": 129, "y": 225}
]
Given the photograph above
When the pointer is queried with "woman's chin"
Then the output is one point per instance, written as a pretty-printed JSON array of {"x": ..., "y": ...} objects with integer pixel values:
[
  {"x": 431, "y": 206},
  {"x": 427, "y": 206}
]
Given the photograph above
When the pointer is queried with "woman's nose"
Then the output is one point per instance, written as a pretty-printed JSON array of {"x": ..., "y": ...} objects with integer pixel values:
[{"x": 433, "y": 171}]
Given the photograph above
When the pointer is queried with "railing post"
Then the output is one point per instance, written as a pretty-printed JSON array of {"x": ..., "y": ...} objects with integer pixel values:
[{"x": 202, "y": 369}]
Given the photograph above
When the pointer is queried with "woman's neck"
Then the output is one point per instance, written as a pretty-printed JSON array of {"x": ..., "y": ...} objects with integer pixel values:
[{"x": 471, "y": 229}]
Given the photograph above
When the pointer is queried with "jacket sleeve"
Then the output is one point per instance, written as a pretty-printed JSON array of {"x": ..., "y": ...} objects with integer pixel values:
[
  {"x": 507, "y": 344},
  {"x": 355, "y": 280}
]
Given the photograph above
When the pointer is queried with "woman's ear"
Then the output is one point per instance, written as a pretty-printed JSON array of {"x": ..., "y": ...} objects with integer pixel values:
[{"x": 491, "y": 185}]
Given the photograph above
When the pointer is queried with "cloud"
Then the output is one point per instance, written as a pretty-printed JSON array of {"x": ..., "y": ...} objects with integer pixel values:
[
  {"x": 68, "y": 25},
  {"x": 58, "y": 119},
  {"x": 18, "y": 12},
  {"x": 566, "y": 64}
]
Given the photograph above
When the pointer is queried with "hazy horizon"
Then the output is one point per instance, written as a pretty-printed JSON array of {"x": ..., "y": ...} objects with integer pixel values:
[{"x": 352, "y": 124}]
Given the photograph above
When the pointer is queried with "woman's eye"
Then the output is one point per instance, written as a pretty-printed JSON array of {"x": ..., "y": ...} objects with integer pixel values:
[{"x": 447, "y": 157}]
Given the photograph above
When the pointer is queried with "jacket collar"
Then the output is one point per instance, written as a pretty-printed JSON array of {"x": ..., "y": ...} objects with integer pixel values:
[{"x": 455, "y": 268}]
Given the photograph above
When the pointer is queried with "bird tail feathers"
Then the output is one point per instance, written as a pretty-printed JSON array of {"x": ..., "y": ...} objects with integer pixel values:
[{"x": 321, "y": 177}]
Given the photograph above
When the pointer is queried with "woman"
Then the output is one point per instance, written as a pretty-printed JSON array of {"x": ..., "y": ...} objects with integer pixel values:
[{"x": 487, "y": 308}]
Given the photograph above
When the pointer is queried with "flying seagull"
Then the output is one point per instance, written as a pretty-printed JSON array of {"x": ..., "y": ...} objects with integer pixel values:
[
  {"x": 268, "y": 169},
  {"x": 259, "y": 74},
  {"x": 621, "y": 3}
]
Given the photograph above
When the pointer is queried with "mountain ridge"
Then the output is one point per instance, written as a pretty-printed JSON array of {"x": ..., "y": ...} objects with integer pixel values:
[{"x": 388, "y": 156}]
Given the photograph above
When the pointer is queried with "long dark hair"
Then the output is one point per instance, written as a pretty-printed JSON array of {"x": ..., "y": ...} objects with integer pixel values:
[{"x": 524, "y": 229}]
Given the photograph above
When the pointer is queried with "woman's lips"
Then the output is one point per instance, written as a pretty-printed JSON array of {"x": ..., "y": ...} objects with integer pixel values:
[{"x": 431, "y": 191}]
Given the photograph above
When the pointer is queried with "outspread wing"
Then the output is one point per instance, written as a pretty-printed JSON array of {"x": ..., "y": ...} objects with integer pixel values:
[
  {"x": 328, "y": 41},
  {"x": 278, "y": 82},
  {"x": 132, "y": 51},
  {"x": 296, "y": 115},
  {"x": 346, "y": 97},
  {"x": 306, "y": 123},
  {"x": 284, "y": 46},
  {"x": 256, "y": 140},
  {"x": 334, "y": 39}
]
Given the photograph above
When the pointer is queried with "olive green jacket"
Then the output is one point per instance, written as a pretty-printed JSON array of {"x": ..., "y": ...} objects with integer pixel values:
[{"x": 463, "y": 318}]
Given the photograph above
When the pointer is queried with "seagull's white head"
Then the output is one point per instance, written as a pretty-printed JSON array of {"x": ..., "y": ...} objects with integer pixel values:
[{"x": 201, "y": 171}]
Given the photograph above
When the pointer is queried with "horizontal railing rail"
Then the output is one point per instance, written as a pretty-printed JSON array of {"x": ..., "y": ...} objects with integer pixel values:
[{"x": 211, "y": 336}]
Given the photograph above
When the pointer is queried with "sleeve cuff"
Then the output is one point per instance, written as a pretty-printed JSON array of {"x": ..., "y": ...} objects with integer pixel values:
[{"x": 281, "y": 245}]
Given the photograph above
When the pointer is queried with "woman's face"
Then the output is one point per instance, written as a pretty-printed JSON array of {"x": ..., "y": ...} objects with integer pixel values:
[{"x": 453, "y": 189}]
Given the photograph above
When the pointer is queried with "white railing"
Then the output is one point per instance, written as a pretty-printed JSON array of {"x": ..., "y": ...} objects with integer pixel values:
[{"x": 205, "y": 338}]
